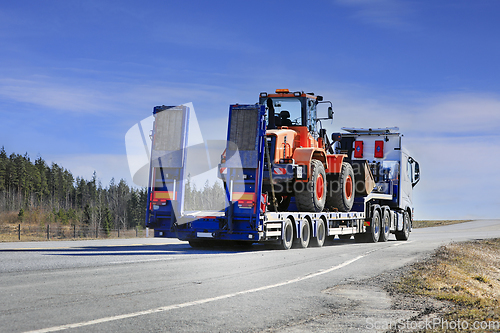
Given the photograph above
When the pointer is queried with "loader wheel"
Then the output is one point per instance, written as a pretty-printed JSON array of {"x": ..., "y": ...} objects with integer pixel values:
[
  {"x": 405, "y": 233},
  {"x": 320, "y": 238},
  {"x": 311, "y": 196},
  {"x": 341, "y": 190},
  {"x": 287, "y": 235},
  {"x": 385, "y": 226}
]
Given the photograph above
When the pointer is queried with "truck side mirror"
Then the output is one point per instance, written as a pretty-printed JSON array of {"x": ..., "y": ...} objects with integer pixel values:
[
  {"x": 416, "y": 176},
  {"x": 330, "y": 112}
]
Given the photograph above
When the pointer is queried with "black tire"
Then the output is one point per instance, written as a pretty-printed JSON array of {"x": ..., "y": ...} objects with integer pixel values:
[
  {"x": 287, "y": 235},
  {"x": 373, "y": 232},
  {"x": 305, "y": 235},
  {"x": 405, "y": 233},
  {"x": 311, "y": 197},
  {"x": 385, "y": 226},
  {"x": 342, "y": 190},
  {"x": 320, "y": 238}
]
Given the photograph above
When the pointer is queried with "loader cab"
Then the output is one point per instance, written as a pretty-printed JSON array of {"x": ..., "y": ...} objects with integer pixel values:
[{"x": 285, "y": 108}]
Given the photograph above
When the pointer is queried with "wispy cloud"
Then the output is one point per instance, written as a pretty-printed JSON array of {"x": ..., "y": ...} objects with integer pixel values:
[
  {"x": 54, "y": 95},
  {"x": 455, "y": 137},
  {"x": 385, "y": 13},
  {"x": 448, "y": 114}
]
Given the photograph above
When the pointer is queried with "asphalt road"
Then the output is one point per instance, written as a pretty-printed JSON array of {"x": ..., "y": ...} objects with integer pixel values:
[{"x": 161, "y": 285}]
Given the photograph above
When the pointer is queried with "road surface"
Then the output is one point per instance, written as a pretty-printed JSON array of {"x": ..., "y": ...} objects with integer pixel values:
[{"x": 162, "y": 285}]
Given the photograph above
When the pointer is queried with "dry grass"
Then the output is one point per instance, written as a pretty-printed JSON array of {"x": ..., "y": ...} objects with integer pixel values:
[
  {"x": 34, "y": 228},
  {"x": 435, "y": 223},
  {"x": 466, "y": 274}
]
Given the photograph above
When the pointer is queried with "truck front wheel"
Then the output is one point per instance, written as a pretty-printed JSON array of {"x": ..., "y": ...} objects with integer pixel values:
[
  {"x": 311, "y": 196},
  {"x": 405, "y": 233}
]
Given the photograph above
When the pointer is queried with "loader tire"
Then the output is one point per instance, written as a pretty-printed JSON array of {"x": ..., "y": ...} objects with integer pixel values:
[
  {"x": 341, "y": 190},
  {"x": 311, "y": 196}
]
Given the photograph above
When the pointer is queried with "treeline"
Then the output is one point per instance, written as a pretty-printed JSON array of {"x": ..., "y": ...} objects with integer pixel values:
[
  {"x": 47, "y": 194},
  {"x": 50, "y": 193},
  {"x": 207, "y": 198}
]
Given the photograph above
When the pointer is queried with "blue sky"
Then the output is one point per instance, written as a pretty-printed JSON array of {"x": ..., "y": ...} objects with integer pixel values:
[{"x": 76, "y": 75}]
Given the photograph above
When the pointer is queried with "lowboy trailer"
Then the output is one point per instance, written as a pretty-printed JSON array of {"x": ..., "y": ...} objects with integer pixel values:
[{"x": 284, "y": 182}]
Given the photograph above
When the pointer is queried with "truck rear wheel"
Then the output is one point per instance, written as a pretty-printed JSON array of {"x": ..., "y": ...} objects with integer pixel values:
[
  {"x": 312, "y": 196},
  {"x": 385, "y": 226},
  {"x": 320, "y": 238},
  {"x": 373, "y": 234},
  {"x": 341, "y": 190},
  {"x": 287, "y": 235}
]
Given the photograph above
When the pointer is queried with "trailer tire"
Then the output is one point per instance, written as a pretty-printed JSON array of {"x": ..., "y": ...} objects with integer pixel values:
[
  {"x": 287, "y": 235},
  {"x": 312, "y": 196},
  {"x": 320, "y": 238},
  {"x": 341, "y": 190},
  {"x": 385, "y": 226},
  {"x": 405, "y": 233},
  {"x": 305, "y": 235},
  {"x": 373, "y": 233}
]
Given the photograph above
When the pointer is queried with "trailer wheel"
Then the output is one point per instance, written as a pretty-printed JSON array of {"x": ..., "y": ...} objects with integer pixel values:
[
  {"x": 373, "y": 234},
  {"x": 341, "y": 190},
  {"x": 385, "y": 226},
  {"x": 287, "y": 235},
  {"x": 405, "y": 233},
  {"x": 312, "y": 196},
  {"x": 320, "y": 238},
  {"x": 305, "y": 235}
]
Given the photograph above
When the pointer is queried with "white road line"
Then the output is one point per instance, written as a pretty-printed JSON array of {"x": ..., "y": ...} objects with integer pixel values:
[{"x": 198, "y": 302}]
